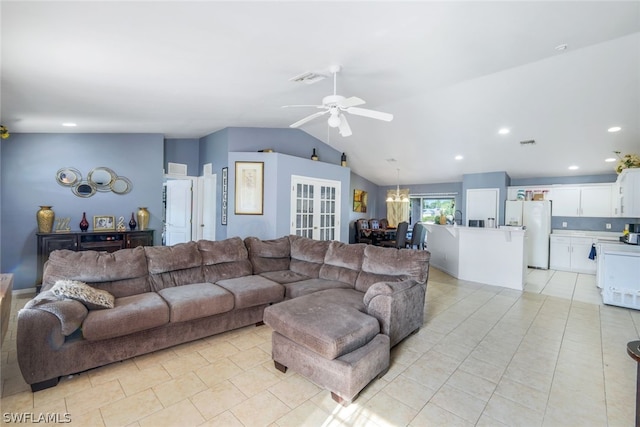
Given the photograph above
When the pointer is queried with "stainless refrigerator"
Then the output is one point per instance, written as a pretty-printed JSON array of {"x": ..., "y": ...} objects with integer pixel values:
[{"x": 535, "y": 216}]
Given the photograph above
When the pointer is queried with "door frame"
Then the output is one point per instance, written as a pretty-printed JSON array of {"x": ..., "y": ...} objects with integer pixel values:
[{"x": 295, "y": 179}]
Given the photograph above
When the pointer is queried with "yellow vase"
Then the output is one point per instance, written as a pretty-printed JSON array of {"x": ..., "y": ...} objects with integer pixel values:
[
  {"x": 45, "y": 217},
  {"x": 143, "y": 218}
]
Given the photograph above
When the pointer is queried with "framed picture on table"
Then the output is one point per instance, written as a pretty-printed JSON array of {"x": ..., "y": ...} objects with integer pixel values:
[
  {"x": 249, "y": 188},
  {"x": 104, "y": 223}
]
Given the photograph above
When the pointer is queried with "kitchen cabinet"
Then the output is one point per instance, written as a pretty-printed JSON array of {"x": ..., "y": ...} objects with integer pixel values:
[
  {"x": 571, "y": 253},
  {"x": 627, "y": 204},
  {"x": 584, "y": 201},
  {"x": 109, "y": 241}
]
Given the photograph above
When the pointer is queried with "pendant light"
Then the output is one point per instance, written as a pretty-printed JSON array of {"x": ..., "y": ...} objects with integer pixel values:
[{"x": 397, "y": 197}]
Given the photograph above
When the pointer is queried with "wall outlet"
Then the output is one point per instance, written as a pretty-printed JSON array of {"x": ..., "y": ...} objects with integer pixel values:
[
  {"x": 607, "y": 226},
  {"x": 564, "y": 224}
]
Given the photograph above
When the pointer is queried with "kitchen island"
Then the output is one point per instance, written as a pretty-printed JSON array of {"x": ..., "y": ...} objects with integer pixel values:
[{"x": 493, "y": 256}]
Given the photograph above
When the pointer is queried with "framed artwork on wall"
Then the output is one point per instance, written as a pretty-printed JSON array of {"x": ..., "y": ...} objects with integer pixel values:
[
  {"x": 359, "y": 201},
  {"x": 225, "y": 195},
  {"x": 249, "y": 188}
]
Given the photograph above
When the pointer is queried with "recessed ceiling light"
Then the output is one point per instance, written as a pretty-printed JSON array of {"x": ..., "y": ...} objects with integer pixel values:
[
  {"x": 574, "y": 167},
  {"x": 562, "y": 47},
  {"x": 504, "y": 131},
  {"x": 610, "y": 159},
  {"x": 459, "y": 157},
  {"x": 614, "y": 129},
  {"x": 69, "y": 125}
]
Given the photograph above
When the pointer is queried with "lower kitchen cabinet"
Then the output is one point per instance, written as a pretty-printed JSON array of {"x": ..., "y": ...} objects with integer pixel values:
[{"x": 572, "y": 254}]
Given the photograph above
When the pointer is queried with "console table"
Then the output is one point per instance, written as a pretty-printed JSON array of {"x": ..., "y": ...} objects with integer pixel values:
[{"x": 109, "y": 241}]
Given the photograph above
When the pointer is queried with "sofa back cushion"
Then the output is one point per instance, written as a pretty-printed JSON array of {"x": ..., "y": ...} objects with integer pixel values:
[
  {"x": 121, "y": 273},
  {"x": 224, "y": 259},
  {"x": 392, "y": 265},
  {"x": 343, "y": 262},
  {"x": 175, "y": 265},
  {"x": 268, "y": 255},
  {"x": 307, "y": 255}
]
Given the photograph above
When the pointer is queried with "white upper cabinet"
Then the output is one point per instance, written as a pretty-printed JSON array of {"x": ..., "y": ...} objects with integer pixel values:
[
  {"x": 565, "y": 201},
  {"x": 593, "y": 200},
  {"x": 628, "y": 186}
]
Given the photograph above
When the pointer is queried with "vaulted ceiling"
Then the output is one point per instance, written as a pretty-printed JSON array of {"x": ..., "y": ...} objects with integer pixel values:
[{"x": 451, "y": 73}]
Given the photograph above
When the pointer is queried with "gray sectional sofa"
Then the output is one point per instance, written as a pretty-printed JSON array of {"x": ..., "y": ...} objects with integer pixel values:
[{"x": 335, "y": 305}]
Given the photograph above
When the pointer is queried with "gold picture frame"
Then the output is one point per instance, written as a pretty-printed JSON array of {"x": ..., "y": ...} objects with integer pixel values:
[
  {"x": 104, "y": 223},
  {"x": 249, "y": 188},
  {"x": 359, "y": 201}
]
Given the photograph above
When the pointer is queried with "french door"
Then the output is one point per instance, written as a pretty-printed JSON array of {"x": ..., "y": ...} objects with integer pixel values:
[{"x": 315, "y": 208}]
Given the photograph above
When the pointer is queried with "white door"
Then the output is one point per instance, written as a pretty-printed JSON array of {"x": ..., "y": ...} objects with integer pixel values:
[
  {"x": 178, "y": 211},
  {"x": 315, "y": 208},
  {"x": 207, "y": 211},
  {"x": 482, "y": 203}
]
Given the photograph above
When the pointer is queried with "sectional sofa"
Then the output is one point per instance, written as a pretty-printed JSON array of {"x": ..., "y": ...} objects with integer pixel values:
[{"x": 326, "y": 301}]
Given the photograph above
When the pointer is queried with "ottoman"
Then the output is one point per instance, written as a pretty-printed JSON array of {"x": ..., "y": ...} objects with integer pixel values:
[{"x": 328, "y": 338}]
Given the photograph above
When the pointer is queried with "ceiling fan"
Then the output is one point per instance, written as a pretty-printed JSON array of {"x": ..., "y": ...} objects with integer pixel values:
[{"x": 335, "y": 105}]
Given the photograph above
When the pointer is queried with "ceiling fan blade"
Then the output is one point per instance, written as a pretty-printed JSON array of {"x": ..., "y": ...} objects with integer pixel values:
[
  {"x": 370, "y": 113},
  {"x": 351, "y": 102},
  {"x": 344, "y": 128},
  {"x": 308, "y": 118}
]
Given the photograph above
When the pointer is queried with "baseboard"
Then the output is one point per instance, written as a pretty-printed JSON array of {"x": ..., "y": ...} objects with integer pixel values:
[{"x": 24, "y": 291}]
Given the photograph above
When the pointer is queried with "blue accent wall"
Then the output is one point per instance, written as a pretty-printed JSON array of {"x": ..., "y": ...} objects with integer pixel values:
[
  {"x": 183, "y": 151},
  {"x": 499, "y": 180},
  {"x": 28, "y": 168},
  {"x": 214, "y": 149},
  {"x": 373, "y": 205}
]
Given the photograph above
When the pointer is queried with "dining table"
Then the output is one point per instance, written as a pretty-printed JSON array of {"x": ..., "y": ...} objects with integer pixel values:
[{"x": 379, "y": 235}]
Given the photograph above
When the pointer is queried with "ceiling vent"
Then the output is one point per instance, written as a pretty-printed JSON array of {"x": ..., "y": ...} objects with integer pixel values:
[
  {"x": 308, "y": 78},
  {"x": 528, "y": 142}
]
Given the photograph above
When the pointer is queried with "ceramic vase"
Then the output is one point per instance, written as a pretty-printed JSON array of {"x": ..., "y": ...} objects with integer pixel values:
[
  {"x": 84, "y": 224},
  {"x": 45, "y": 217},
  {"x": 132, "y": 223},
  {"x": 143, "y": 218}
]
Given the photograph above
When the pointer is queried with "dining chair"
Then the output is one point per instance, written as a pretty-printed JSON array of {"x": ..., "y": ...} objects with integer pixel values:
[
  {"x": 384, "y": 223},
  {"x": 362, "y": 227},
  {"x": 374, "y": 224},
  {"x": 417, "y": 236},
  {"x": 401, "y": 237}
]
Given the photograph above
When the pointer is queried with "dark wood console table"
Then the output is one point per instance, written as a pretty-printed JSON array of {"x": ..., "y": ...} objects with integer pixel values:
[{"x": 109, "y": 241}]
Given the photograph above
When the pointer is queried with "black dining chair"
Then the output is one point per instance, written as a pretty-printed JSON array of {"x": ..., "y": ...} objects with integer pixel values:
[
  {"x": 401, "y": 237},
  {"x": 363, "y": 233},
  {"x": 417, "y": 236}
]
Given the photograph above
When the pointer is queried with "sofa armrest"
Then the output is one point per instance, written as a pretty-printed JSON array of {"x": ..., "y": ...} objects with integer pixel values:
[
  {"x": 70, "y": 313},
  {"x": 398, "y": 306}
]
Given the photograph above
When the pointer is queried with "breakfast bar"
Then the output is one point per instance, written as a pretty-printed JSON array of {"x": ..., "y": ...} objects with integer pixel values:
[{"x": 493, "y": 256}]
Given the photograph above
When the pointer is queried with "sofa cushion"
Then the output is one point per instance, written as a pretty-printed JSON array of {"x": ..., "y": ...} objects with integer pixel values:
[
  {"x": 250, "y": 291},
  {"x": 304, "y": 287},
  {"x": 284, "y": 276},
  {"x": 224, "y": 259},
  {"x": 322, "y": 323},
  {"x": 392, "y": 265},
  {"x": 175, "y": 265},
  {"x": 93, "y": 299},
  {"x": 122, "y": 273},
  {"x": 268, "y": 255},
  {"x": 342, "y": 262},
  {"x": 130, "y": 314},
  {"x": 196, "y": 300},
  {"x": 307, "y": 255}
]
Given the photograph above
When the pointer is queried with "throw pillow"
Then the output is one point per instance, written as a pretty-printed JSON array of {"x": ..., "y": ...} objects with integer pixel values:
[{"x": 91, "y": 297}]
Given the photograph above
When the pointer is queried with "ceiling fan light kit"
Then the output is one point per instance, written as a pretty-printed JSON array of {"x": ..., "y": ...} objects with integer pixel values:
[{"x": 336, "y": 105}]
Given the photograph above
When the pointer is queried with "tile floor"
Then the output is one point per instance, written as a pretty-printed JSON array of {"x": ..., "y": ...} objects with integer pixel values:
[{"x": 553, "y": 355}]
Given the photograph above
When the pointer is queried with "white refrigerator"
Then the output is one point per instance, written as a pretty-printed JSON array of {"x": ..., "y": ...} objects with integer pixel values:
[{"x": 535, "y": 216}]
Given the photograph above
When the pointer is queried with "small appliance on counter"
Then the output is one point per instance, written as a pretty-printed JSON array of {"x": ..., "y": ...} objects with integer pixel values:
[
  {"x": 631, "y": 235},
  {"x": 631, "y": 238},
  {"x": 476, "y": 223}
]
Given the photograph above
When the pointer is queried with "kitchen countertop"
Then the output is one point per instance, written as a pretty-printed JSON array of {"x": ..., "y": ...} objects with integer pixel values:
[{"x": 607, "y": 236}]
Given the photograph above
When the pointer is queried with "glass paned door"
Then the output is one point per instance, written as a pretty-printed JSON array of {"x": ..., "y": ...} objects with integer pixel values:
[{"x": 315, "y": 208}]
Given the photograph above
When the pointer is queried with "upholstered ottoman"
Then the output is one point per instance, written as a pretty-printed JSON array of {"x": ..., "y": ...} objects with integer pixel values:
[{"x": 328, "y": 337}]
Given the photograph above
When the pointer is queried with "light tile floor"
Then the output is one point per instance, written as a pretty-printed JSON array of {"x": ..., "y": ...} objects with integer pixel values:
[{"x": 553, "y": 355}]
